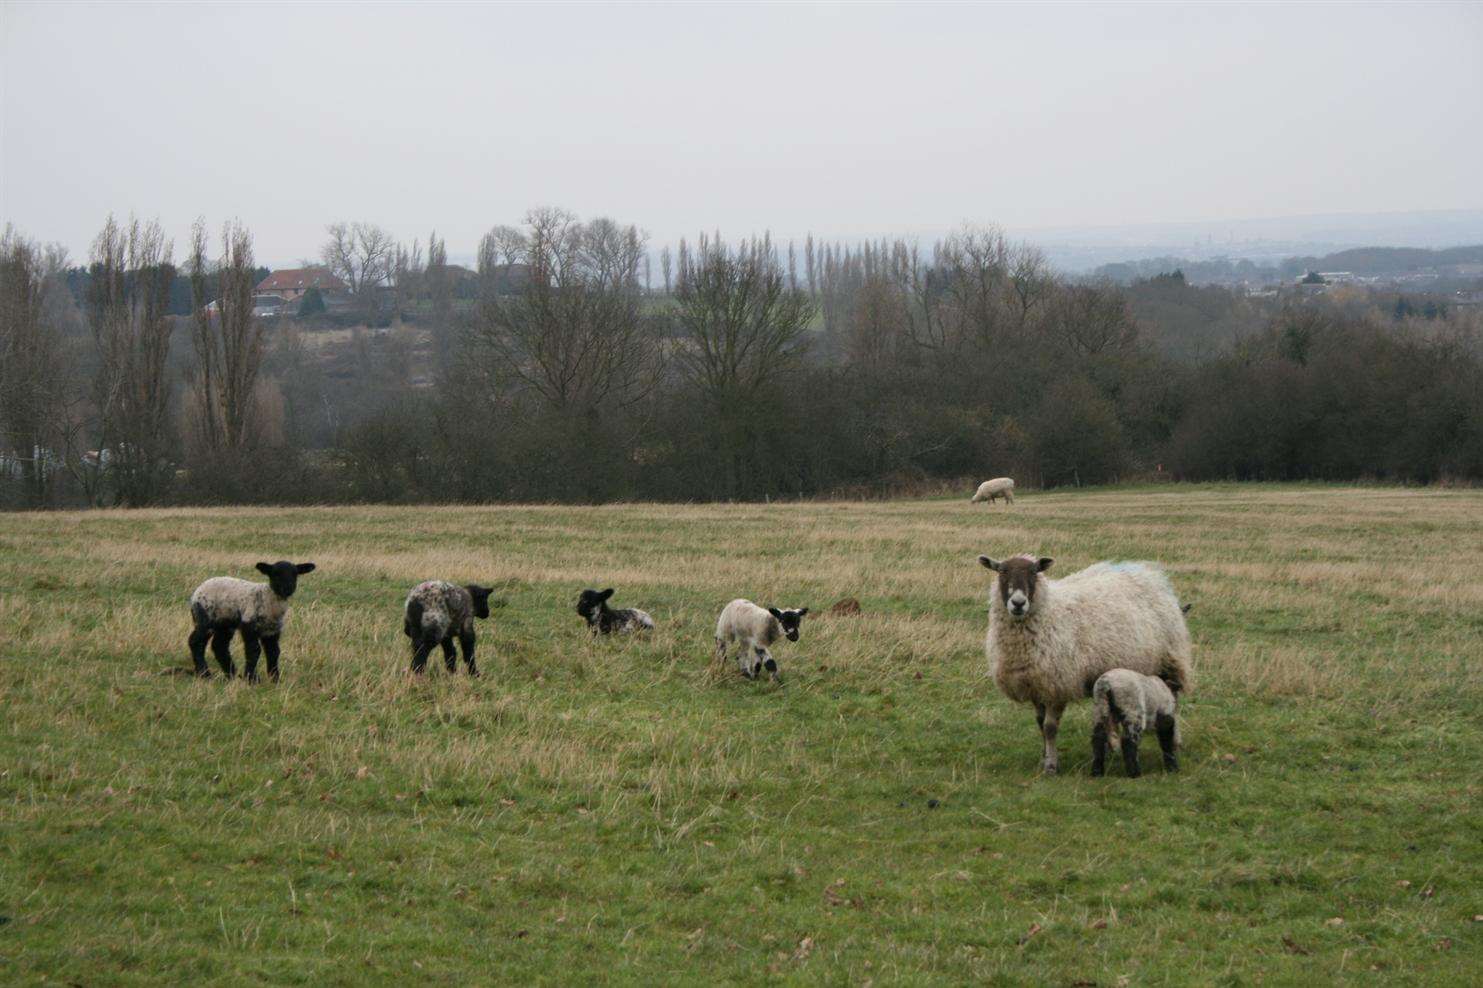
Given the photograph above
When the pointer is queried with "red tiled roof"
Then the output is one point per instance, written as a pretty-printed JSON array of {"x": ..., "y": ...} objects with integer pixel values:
[{"x": 301, "y": 279}]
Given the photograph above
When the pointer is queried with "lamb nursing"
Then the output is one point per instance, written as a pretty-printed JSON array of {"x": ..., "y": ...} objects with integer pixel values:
[{"x": 1049, "y": 640}]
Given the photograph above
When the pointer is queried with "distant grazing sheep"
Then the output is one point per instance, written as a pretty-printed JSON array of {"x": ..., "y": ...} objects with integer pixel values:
[
  {"x": 755, "y": 629},
  {"x": 989, "y": 490},
  {"x": 604, "y": 620},
  {"x": 1048, "y": 640},
  {"x": 224, "y": 605},
  {"x": 436, "y": 611},
  {"x": 1128, "y": 702}
]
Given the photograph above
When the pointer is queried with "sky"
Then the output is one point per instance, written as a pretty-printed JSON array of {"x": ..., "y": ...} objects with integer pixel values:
[{"x": 844, "y": 120}]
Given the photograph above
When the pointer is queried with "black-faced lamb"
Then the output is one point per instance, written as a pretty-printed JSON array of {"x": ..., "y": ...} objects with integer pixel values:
[
  {"x": 435, "y": 612},
  {"x": 755, "y": 629},
  {"x": 1049, "y": 640},
  {"x": 605, "y": 620},
  {"x": 990, "y": 490},
  {"x": 1128, "y": 703},
  {"x": 224, "y": 605}
]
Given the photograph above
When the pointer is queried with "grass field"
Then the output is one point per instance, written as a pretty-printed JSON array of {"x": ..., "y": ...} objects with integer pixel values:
[{"x": 617, "y": 811}]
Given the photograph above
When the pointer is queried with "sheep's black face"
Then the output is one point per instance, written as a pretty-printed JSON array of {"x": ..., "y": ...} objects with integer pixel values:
[
  {"x": 589, "y": 604},
  {"x": 283, "y": 576},
  {"x": 480, "y": 597},
  {"x": 790, "y": 620},
  {"x": 1018, "y": 579}
]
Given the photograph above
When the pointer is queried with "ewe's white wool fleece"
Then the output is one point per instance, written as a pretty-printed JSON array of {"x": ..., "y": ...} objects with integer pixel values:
[
  {"x": 1108, "y": 616},
  {"x": 998, "y": 487},
  {"x": 741, "y": 620},
  {"x": 228, "y": 600},
  {"x": 1139, "y": 698}
]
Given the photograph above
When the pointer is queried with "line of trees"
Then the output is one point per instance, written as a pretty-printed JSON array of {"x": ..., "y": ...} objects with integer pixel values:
[{"x": 746, "y": 370}]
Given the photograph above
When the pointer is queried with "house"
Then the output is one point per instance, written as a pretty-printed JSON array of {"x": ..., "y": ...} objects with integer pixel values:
[{"x": 290, "y": 284}]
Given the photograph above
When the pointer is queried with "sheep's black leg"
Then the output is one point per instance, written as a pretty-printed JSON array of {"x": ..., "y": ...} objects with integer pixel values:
[
  {"x": 200, "y": 635},
  {"x": 1164, "y": 724},
  {"x": 1099, "y": 747},
  {"x": 1131, "y": 736},
  {"x": 467, "y": 641},
  {"x": 450, "y": 658},
  {"x": 250, "y": 652},
  {"x": 270, "y": 649},
  {"x": 1040, "y": 717},
  {"x": 1048, "y": 729},
  {"x": 221, "y": 647},
  {"x": 419, "y": 657}
]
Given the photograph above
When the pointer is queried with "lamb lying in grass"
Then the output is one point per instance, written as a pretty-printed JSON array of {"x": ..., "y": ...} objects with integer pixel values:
[
  {"x": 224, "y": 605},
  {"x": 755, "y": 629},
  {"x": 1048, "y": 639},
  {"x": 435, "y": 612},
  {"x": 1128, "y": 702},
  {"x": 605, "y": 620}
]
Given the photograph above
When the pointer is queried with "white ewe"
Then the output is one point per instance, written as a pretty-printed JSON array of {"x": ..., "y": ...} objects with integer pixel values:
[{"x": 996, "y": 488}]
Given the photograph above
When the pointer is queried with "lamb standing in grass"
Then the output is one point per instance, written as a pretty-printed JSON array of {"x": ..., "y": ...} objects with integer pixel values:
[
  {"x": 1048, "y": 640},
  {"x": 604, "y": 620},
  {"x": 755, "y": 628},
  {"x": 1128, "y": 702},
  {"x": 438, "y": 610},
  {"x": 224, "y": 605},
  {"x": 989, "y": 490}
]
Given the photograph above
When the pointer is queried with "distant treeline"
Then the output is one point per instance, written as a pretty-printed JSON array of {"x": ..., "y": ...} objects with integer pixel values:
[
  {"x": 750, "y": 370},
  {"x": 1364, "y": 262}
]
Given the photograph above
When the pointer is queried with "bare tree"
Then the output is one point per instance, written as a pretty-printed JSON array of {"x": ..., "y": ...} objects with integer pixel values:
[
  {"x": 33, "y": 365},
  {"x": 740, "y": 321},
  {"x": 666, "y": 265},
  {"x": 128, "y": 299},
  {"x": 1092, "y": 319},
  {"x": 407, "y": 272},
  {"x": 362, "y": 255},
  {"x": 228, "y": 341},
  {"x": 575, "y": 334},
  {"x": 1031, "y": 283}
]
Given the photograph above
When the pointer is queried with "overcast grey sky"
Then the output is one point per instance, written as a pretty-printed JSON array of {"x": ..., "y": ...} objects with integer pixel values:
[{"x": 845, "y": 120}]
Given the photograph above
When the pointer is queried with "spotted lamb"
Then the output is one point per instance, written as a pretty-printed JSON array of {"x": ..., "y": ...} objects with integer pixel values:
[
  {"x": 605, "y": 620},
  {"x": 435, "y": 612}
]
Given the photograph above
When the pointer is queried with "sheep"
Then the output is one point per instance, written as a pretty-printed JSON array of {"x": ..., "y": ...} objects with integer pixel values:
[
  {"x": 1049, "y": 640},
  {"x": 1130, "y": 702},
  {"x": 436, "y": 611},
  {"x": 755, "y": 628},
  {"x": 604, "y": 620},
  {"x": 224, "y": 605},
  {"x": 996, "y": 488}
]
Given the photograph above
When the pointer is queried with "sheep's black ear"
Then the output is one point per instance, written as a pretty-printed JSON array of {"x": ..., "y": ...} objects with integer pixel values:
[
  {"x": 605, "y": 594},
  {"x": 265, "y": 568},
  {"x": 305, "y": 568},
  {"x": 775, "y": 613},
  {"x": 479, "y": 591},
  {"x": 802, "y": 611},
  {"x": 1043, "y": 564},
  {"x": 988, "y": 563}
]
